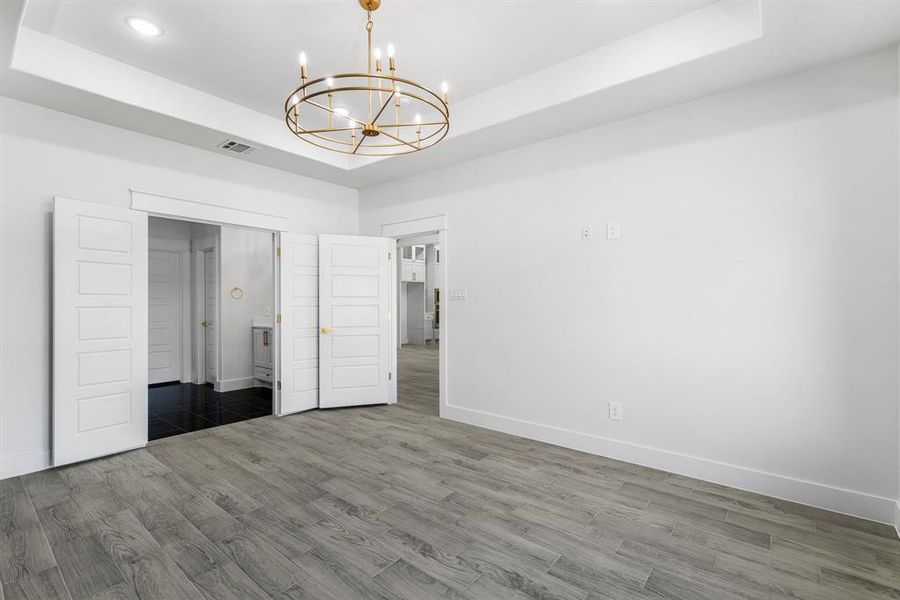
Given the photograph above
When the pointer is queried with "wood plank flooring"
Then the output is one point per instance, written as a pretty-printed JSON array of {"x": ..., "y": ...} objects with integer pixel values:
[{"x": 393, "y": 502}]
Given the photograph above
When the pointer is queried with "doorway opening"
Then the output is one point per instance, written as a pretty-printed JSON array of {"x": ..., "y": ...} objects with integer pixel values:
[
  {"x": 211, "y": 300},
  {"x": 419, "y": 324}
]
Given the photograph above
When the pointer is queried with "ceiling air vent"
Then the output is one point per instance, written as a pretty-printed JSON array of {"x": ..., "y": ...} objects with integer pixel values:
[{"x": 236, "y": 147}]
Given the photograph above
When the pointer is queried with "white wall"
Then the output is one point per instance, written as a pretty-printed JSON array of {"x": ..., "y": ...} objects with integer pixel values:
[
  {"x": 897, "y": 504},
  {"x": 747, "y": 318},
  {"x": 246, "y": 259},
  {"x": 43, "y": 154},
  {"x": 169, "y": 229}
]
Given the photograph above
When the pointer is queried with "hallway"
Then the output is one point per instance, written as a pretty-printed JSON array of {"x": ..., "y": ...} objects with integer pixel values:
[{"x": 418, "y": 378}]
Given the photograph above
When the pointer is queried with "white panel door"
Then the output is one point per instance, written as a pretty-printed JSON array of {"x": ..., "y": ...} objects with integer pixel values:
[
  {"x": 99, "y": 330},
  {"x": 164, "y": 316},
  {"x": 299, "y": 373},
  {"x": 210, "y": 304},
  {"x": 354, "y": 320}
]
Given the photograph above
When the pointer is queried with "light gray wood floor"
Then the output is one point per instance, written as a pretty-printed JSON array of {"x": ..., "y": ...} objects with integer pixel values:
[{"x": 392, "y": 502}]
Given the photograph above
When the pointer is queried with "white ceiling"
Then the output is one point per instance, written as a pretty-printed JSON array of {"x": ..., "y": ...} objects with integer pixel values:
[
  {"x": 222, "y": 69},
  {"x": 246, "y": 51}
]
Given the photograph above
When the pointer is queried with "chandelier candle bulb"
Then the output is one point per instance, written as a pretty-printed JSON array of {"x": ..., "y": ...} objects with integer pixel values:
[
  {"x": 377, "y": 54},
  {"x": 303, "y": 66},
  {"x": 327, "y": 102},
  {"x": 392, "y": 61}
]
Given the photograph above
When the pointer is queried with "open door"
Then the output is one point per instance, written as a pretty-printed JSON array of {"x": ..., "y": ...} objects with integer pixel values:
[
  {"x": 299, "y": 331},
  {"x": 354, "y": 320},
  {"x": 100, "y": 345}
]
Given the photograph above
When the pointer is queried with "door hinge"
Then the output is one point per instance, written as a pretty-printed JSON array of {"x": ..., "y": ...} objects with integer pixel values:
[
  {"x": 278, "y": 318},
  {"x": 389, "y": 256},
  {"x": 277, "y": 251},
  {"x": 390, "y": 375},
  {"x": 279, "y": 385}
]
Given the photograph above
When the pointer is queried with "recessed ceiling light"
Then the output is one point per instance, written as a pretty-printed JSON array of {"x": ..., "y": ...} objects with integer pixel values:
[{"x": 143, "y": 26}]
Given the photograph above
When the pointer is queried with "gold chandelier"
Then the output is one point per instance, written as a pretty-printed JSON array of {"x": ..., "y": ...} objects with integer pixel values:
[{"x": 367, "y": 114}]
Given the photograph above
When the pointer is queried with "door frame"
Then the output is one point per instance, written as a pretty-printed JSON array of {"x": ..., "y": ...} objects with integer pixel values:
[
  {"x": 199, "y": 248},
  {"x": 183, "y": 249},
  {"x": 195, "y": 211},
  {"x": 204, "y": 297},
  {"x": 411, "y": 229}
]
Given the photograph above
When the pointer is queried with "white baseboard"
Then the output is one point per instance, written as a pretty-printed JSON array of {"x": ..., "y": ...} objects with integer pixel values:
[
  {"x": 24, "y": 463},
  {"x": 897, "y": 517},
  {"x": 858, "y": 504},
  {"x": 239, "y": 383}
]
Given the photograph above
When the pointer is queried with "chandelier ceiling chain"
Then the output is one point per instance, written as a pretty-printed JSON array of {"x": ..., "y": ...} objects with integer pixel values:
[{"x": 334, "y": 124}]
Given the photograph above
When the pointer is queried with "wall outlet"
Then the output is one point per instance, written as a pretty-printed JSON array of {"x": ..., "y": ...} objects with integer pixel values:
[
  {"x": 615, "y": 411},
  {"x": 612, "y": 230},
  {"x": 586, "y": 233}
]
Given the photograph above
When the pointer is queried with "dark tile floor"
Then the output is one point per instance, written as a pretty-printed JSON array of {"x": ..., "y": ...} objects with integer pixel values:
[{"x": 182, "y": 407}]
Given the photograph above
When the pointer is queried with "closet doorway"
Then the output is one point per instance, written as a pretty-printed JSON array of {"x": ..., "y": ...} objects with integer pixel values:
[
  {"x": 101, "y": 346},
  {"x": 211, "y": 293}
]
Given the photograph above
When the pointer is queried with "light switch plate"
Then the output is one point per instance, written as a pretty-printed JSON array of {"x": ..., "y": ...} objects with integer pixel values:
[
  {"x": 612, "y": 230},
  {"x": 615, "y": 411},
  {"x": 458, "y": 294}
]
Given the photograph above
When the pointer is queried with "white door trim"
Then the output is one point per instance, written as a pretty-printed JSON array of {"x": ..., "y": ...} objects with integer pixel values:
[
  {"x": 421, "y": 227},
  {"x": 199, "y": 247},
  {"x": 414, "y": 227},
  {"x": 185, "y": 209},
  {"x": 203, "y": 331},
  {"x": 198, "y": 373},
  {"x": 204, "y": 212},
  {"x": 193, "y": 210}
]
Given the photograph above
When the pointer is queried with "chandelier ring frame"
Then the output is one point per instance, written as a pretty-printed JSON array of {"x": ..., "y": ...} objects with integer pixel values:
[{"x": 303, "y": 96}]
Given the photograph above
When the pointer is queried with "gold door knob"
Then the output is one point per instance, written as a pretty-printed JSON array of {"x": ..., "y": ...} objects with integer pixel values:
[
  {"x": 326, "y": 330},
  {"x": 205, "y": 323}
]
